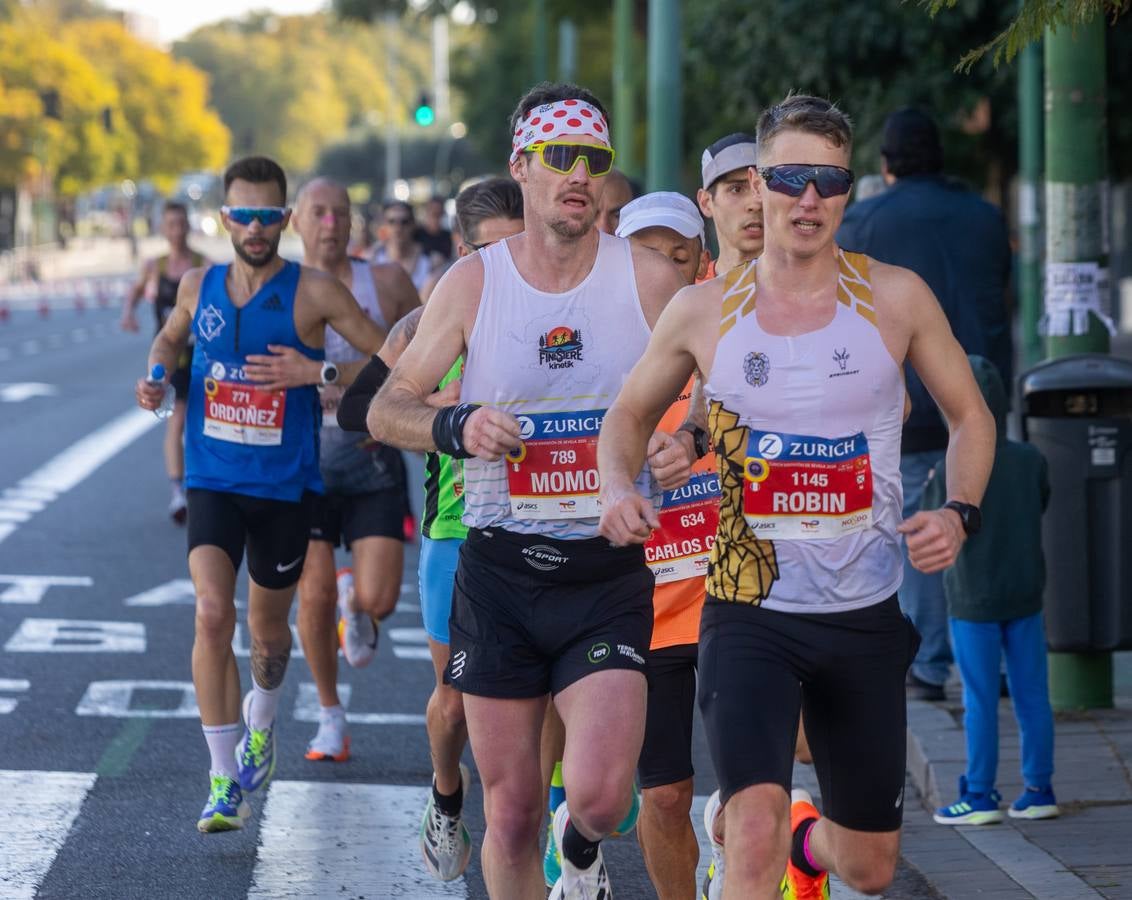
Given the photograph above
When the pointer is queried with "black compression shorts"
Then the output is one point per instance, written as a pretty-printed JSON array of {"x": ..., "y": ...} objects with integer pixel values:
[
  {"x": 275, "y": 532},
  {"x": 844, "y": 670},
  {"x": 341, "y": 519},
  {"x": 666, "y": 756},
  {"x": 531, "y": 615}
]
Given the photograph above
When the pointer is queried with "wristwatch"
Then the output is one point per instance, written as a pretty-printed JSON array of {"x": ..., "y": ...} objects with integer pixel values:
[
  {"x": 700, "y": 440},
  {"x": 969, "y": 515},
  {"x": 329, "y": 373}
]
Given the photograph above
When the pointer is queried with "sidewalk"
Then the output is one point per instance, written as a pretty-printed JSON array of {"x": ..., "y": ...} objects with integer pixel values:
[{"x": 1087, "y": 852}]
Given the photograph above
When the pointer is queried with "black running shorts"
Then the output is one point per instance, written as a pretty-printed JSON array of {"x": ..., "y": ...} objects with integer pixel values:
[
  {"x": 844, "y": 670},
  {"x": 275, "y": 532},
  {"x": 666, "y": 756},
  {"x": 179, "y": 381},
  {"x": 340, "y": 519},
  {"x": 531, "y": 616}
]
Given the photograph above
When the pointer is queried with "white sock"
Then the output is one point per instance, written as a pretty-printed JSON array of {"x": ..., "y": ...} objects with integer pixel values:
[
  {"x": 331, "y": 712},
  {"x": 261, "y": 711},
  {"x": 222, "y": 741}
]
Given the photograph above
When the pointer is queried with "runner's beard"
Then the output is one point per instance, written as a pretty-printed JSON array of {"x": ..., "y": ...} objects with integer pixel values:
[
  {"x": 572, "y": 229},
  {"x": 262, "y": 260}
]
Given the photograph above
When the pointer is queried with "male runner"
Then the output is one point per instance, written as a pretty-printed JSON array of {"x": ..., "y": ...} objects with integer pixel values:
[
  {"x": 401, "y": 245},
  {"x": 678, "y": 555},
  {"x": 364, "y": 500},
  {"x": 806, "y": 400},
  {"x": 548, "y": 321},
  {"x": 618, "y": 191},
  {"x": 158, "y": 284},
  {"x": 729, "y": 201},
  {"x": 251, "y": 463},
  {"x": 487, "y": 212}
]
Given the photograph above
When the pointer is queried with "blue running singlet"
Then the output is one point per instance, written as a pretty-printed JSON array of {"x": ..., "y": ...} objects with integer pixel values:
[{"x": 240, "y": 438}]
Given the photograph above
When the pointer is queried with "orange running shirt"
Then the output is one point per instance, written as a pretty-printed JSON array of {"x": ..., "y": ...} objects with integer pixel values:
[{"x": 677, "y": 604}]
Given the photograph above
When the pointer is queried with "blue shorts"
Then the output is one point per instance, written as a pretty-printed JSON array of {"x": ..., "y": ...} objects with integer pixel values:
[{"x": 437, "y": 572}]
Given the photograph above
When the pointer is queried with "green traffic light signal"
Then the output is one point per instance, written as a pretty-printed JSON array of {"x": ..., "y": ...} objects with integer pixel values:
[{"x": 424, "y": 114}]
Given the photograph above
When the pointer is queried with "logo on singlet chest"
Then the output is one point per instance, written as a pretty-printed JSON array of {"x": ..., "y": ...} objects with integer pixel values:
[{"x": 560, "y": 347}]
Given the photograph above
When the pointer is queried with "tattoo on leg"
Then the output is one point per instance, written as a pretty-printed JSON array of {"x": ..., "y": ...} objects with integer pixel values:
[{"x": 268, "y": 671}]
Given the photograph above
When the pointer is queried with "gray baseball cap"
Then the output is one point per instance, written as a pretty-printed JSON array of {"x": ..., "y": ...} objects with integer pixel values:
[{"x": 736, "y": 151}]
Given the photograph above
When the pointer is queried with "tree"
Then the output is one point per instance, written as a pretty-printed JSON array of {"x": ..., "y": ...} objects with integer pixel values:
[{"x": 1034, "y": 17}]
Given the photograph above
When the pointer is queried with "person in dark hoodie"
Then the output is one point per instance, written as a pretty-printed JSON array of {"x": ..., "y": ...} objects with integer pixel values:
[{"x": 994, "y": 605}]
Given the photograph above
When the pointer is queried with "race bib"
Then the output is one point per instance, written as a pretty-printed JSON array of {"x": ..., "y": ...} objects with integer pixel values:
[
  {"x": 680, "y": 548},
  {"x": 799, "y": 487},
  {"x": 241, "y": 412},
  {"x": 553, "y": 472}
]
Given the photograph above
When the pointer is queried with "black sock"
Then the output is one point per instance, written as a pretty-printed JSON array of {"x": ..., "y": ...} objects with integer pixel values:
[
  {"x": 798, "y": 848},
  {"x": 449, "y": 804},
  {"x": 580, "y": 852}
]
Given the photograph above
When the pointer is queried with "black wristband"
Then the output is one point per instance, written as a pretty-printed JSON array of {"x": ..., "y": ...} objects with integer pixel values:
[
  {"x": 448, "y": 429},
  {"x": 700, "y": 439},
  {"x": 354, "y": 405}
]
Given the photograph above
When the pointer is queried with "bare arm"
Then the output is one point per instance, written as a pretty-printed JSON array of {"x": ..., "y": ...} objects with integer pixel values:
[
  {"x": 934, "y": 537},
  {"x": 651, "y": 387},
  {"x": 396, "y": 293},
  {"x": 129, "y": 320},
  {"x": 658, "y": 281},
  {"x": 171, "y": 339}
]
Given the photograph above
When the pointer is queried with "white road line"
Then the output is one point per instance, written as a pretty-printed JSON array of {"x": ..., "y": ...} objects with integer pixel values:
[
  {"x": 37, "y": 809},
  {"x": 366, "y": 845},
  {"x": 77, "y": 462}
]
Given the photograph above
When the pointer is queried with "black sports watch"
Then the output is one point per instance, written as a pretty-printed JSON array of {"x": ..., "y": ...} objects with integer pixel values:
[
  {"x": 329, "y": 374},
  {"x": 969, "y": 515},
  {"x": 700, "y": 440}
]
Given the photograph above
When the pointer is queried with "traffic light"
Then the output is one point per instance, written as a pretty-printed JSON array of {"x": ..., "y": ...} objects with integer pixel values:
[{"x": 424, "y": 113}]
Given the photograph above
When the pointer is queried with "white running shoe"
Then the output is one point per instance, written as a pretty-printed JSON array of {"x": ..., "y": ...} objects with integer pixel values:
[
  {"x": 446, "y": 843},
  {"x": 331, "y": 741},
  {"x": 573, "y": 883},
  {"x": 357, "y": 632},
  {"x": 713, "y": 881}
]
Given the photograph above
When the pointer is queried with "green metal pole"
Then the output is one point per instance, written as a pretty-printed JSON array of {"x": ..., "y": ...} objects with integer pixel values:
[
  {"x": 665, "y": 97},
  {"x": 624, "y": 80},
  {"x": 1029, "y": 200},
  {"x": 567, "y": 50},
  {"x": 1077, "y": 263},
  {"x": 540, "y": 47}
]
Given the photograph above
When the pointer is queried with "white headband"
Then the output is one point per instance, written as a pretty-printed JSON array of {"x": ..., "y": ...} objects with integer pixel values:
[{"x": 552, "y": 120}]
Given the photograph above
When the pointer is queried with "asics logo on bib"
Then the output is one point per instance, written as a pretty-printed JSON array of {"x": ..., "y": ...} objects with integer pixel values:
[{"x": 544, "y": 558}]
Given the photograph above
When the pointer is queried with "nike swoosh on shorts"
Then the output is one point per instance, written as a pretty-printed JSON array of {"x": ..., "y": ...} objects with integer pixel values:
[{"x": 281, "y": 568}]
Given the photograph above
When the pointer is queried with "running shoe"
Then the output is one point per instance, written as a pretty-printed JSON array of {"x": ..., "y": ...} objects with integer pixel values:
[
  {"x": 551, "y": 859},
  {"x": 330, "y": 741},
  {"x": 178, "y": 506},
  {"x": 578, "y": 884},
  {"x": 357, "y": 632},
  {"x": 1035, "y": 803},
  {"x": 446, "y": 844},
  {"x": 713, "y": 881},
  {"x": 226, "y": 809},
  {"x": 255, "y": 754},
  {"x": 971, "y": 808},
  {"x": 796, "y": 884}
]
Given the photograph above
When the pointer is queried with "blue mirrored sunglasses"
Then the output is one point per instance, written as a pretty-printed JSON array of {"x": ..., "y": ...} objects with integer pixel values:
[{"x": 265, "y": 215}]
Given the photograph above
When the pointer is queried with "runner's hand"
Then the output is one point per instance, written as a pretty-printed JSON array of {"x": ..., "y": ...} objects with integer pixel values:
[
  {"x": 449, "y": 395},
  {"x": 626, "y": 517},
  {"x": 934, "y": 538},
  {"x": 284, "y": 367},
  {"x": 129, "y": 322},
  {"x": 490, "y": 433},
  {"x": 668, "y": 459},
  {"x": 148, "y": 394}
]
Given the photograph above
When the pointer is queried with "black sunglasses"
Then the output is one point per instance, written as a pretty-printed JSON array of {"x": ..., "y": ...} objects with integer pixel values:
[{"x": 791, "y": 179}]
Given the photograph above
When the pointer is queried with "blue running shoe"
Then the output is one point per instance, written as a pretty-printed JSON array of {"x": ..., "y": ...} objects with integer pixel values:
[
  {"x": 255, "y": 754},
  {"x": 552, "y": 859},
  {"x": 1035, "y": 803},
  {"x": 971, "y": 808},
  {"x": 226, "y": 809}
]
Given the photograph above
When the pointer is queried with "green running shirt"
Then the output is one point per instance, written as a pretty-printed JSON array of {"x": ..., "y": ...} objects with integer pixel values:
[{"x": 444, "y": 486}]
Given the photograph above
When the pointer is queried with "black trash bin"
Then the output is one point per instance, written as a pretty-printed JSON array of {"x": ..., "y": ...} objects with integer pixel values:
[{"x": 1078, "y": 411}]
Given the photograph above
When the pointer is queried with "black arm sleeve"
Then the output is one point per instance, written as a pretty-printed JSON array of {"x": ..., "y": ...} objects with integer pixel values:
[{"x": 354, "y": 405}]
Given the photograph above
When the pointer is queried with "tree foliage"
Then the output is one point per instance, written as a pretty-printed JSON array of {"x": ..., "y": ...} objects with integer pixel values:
[
  {"x": 1033, "y": 18},
  {"x": 290, "y": 86}
]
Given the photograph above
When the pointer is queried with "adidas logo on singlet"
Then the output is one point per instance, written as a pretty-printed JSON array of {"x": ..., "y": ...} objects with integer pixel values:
[{"x": 274, "y": 303}]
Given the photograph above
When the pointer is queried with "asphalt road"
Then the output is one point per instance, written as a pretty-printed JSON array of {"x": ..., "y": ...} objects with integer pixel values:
[{"x": 103, "y": 769}]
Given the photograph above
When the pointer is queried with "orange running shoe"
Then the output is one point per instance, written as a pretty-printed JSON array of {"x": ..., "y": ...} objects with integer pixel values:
[{"x": 796, "y": 884}]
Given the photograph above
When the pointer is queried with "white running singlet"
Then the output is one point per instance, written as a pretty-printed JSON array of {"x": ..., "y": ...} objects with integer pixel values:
[{"x": 556, "y": 361}]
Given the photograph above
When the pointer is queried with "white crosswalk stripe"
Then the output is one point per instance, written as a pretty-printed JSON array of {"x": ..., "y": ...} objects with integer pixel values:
[{"x": 34, "y": 824}]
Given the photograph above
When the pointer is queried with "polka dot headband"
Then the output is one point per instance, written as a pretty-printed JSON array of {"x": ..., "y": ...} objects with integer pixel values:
[{"x": 552, "y": 120}]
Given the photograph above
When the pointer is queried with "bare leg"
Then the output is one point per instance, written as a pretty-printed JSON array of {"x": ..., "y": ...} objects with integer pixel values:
[
  {"x": 215, "y": 676},
  {"x": 318, "y": 619},
  {"x": 505, "y": 738},
  {"x": 802, "y": 746},
  {"x": 173, "y": 446},
  {"x": 758, "y": 842},
  {"x": 864, "y": 860},
  {"x": 268, "y": 611},
  {"x": 551, "y": 744},
  {"x": 668, "y": 841},
  {"x": 444, "y": 720},
  {"x": 378, "y": 564}
]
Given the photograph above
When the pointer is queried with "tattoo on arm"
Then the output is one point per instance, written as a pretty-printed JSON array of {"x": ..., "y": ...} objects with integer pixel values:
[{"x": 268, "y": 671}]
